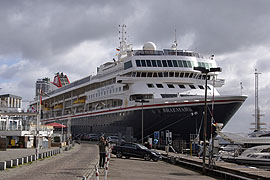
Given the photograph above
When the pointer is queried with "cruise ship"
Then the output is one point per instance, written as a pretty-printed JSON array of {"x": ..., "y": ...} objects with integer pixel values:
[{"x": 159, "y": 85}]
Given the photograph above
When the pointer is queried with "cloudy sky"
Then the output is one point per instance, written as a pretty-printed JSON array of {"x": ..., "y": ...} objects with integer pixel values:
[{"x": 39, "y": 38}]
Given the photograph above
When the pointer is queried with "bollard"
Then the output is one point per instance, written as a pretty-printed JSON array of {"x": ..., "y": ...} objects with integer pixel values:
[
  {"x": 14, "y": 162},
  {"x": 30, "y": 158},
  {"x": 9, "y": 164},
  {"x": 3, "y": 165},
  {"x": 107, "y": 160},
  {"x": 34, "y": 157},
  {"x": 20, "y": 161},
  {"x": 97, "y": 173},
  {"x": 25, "y": 159},
  {"x": 83, "y": 178}
]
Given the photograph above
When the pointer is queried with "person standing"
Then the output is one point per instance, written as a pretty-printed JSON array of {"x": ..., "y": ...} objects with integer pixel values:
[{"x": 102, "y": 151}]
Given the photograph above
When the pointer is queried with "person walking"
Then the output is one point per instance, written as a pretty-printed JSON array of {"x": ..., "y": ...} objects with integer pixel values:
[{"x": 102, "y": 151}]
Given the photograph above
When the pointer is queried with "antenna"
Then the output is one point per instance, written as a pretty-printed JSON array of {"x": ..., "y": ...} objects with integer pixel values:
[
  {"x": 257, "y": 109},
  {"x": 122, "y": 32},
  {"x": 175, "y": 42},
  {"x": 241, "y": 87}
]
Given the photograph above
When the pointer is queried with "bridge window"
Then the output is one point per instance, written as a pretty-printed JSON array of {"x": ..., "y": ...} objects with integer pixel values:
[
  {"x": 185, "y": 63},
  {"x": 170, "y": 63},
  {"x": 189, "y": 64},
  {"x": 138, "y": 63},
  {"x": 164, "y": 63},
  {"x": 154, "y": 63},
  {"x": 159, "y": 63},
  {"x": 143, "y": 63},
  {"x": 148, "y": 63},
  {"x": 180, "y": 64},
  {"x": 127, "y": 65},
  {"x": 175, "y": 63},
  {"x": 171, "y": 74}
]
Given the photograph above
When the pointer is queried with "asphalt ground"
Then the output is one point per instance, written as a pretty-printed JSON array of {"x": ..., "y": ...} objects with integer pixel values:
[
  {"x": 69, "y": 165},
  {"x": 139, "y": 169}
]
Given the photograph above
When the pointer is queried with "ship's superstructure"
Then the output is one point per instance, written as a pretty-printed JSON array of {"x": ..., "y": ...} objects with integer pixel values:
[{"x": 108, "y": 101}]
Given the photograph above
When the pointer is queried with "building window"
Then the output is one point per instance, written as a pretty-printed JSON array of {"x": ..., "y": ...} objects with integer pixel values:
[
  {"x": 171, "y": 74},
  {"x": 159, "y": 85},
  {"x": 170, "y": 85}
]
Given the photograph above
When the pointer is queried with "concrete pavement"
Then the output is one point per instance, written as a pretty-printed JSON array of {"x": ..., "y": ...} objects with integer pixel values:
[
  {"x": 135, "y": 169},
  {"x": 73, "y": 164}
]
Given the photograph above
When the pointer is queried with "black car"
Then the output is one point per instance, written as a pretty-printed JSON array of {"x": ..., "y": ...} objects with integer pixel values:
[{"x": 135, "y": 150}]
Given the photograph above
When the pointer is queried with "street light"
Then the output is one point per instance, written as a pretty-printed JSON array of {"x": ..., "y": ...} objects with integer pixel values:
[
  {"x": 205, "y": 71},
  {"x": 142, "y": 101}
]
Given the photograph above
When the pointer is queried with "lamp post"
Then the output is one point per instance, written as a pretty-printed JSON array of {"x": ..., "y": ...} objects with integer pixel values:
[
  {"x": 39, "y": 102},
  {"x": 142, "y": 101},
  {"x": 205, "y": 71}
]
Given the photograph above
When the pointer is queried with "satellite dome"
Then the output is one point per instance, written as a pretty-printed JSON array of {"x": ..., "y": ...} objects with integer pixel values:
[
  {"x": 149, "y": 46},
  {"x": 174, "y": 46}
]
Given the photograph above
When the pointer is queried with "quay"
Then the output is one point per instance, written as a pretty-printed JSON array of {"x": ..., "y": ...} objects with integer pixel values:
[
  {"x": 80, "y": 162},
  {"x": 76, "y": 163},
  {"x": 220, "y": 169}
]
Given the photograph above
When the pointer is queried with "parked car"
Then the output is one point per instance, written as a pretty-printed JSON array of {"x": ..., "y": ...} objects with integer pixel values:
[
  {"x": 92, "y": 137},
  {"x": 135, "y": 150},
  {"x": 115, "y": 140}
]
